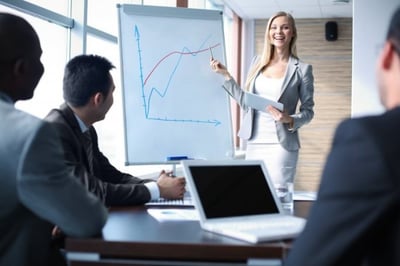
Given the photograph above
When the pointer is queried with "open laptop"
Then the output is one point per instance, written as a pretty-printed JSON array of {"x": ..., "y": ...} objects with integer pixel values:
[{"x": 236, "y": 198}]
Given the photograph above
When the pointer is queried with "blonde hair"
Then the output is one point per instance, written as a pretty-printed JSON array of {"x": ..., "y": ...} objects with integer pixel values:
[{"x": 268, "y": 49}]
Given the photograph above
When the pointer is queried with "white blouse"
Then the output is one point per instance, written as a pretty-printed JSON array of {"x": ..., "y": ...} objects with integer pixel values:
[{"x": 264, "y": 129}]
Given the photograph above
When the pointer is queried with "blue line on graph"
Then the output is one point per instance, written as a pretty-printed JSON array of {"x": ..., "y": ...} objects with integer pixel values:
[{"x": 147, "y": 100}]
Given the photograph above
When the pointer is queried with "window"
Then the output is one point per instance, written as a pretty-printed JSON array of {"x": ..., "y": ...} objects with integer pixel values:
[
  {"x": 110, "y": 130},
  {"x": 102, "y": 19},
  {"x": 59, "y": 6},
  {"x": 53, "y": 39}
]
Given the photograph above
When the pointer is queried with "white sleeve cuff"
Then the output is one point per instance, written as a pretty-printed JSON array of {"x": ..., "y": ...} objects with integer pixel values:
[{"x": 154, "y": 191}]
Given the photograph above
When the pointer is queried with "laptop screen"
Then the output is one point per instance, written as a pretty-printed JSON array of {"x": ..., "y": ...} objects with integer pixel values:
[{"x": 233, "y": 190}]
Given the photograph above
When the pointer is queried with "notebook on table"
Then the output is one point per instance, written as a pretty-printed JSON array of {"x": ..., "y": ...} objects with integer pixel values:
[{"x": 236, "y": 198}]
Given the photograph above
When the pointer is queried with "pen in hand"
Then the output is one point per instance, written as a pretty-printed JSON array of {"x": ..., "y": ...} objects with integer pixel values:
[{"x": 214, "y": 64}]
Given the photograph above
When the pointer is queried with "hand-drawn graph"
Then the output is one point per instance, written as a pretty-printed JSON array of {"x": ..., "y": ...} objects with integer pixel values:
[
  {"x": 161, "y": 92},
  {"x": 174, "y": 104}
]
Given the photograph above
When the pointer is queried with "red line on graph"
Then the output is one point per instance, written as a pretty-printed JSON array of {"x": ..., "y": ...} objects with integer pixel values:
[{"x": 176, "y": 52}]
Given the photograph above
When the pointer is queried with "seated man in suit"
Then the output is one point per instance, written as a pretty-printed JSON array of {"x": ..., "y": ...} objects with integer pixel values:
[
  {"x": 38, "y": 190},
  {"x": 356, "y": 218},
  {"x": 88, "y": 91}
]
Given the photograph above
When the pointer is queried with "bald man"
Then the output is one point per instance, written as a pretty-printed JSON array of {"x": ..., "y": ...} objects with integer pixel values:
[
  {"x": 37, "y": 190},
  {"x": 356, "y": 218}
]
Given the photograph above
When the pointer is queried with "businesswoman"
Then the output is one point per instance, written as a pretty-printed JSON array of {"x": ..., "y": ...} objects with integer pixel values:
[{"x": 277, "y": 75}]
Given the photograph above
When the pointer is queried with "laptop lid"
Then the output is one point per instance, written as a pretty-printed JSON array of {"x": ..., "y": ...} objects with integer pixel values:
[
  {"x": 231, "y": 189},
  {"x": 236, "y": 198}
]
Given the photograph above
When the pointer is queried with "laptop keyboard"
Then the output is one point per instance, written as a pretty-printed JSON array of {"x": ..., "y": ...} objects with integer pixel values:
[{"x": 177, "y": 202}]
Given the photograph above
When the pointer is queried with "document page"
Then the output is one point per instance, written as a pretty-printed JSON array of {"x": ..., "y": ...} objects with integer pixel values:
[
  {"x": 172, "y": 214},
  {"x": 260, "y": 103}
]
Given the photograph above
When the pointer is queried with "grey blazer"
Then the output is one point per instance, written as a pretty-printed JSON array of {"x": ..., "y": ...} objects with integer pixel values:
[
  {"x": 298, "y": 85},
  {"x": 37, "y": 191}
]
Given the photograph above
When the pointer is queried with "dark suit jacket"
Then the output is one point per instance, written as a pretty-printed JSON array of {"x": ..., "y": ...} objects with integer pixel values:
[
  {"x": 109, "y": 184},
  {"x": 356, "y": 218}
]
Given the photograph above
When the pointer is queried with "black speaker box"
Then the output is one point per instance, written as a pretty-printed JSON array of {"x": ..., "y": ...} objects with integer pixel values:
[{"x": 331, "y": 31}]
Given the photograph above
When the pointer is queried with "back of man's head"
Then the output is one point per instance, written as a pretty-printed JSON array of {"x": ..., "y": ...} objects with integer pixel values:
[
  {"x": 388, "y": 65},
  {"x": 14, "y": 32},
  {"x": 394, "y": 28},
  {"x": 84, "y": 76},
  {"x": 20, "y": 51}
]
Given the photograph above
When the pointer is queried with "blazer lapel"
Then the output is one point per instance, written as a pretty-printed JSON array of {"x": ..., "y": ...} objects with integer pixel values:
[{"x": 291, "y": 69}]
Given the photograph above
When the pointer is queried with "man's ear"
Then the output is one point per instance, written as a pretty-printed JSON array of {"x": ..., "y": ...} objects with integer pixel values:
[
  {"x": 98, "y": 98},
  {"x": 19, "y": 67},
  {"x": 387, "y": 55}
]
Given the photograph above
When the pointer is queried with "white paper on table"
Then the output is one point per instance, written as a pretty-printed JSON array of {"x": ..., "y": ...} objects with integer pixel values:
[{"x": 163, "y": 215}]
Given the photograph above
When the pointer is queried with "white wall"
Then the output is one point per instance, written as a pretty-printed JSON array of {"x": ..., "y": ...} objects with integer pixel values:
[{"x": 370, "y": 23}]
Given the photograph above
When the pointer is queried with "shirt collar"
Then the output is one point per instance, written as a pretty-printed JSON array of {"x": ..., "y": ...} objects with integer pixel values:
[{"x": 82, "y": 125}]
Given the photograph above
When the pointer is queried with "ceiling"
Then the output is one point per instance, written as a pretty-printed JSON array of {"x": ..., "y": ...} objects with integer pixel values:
[{"x": 261, "y": 9}]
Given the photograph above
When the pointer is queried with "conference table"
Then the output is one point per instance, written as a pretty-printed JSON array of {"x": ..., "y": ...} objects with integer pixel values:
[{"x": 132, "y": 236}]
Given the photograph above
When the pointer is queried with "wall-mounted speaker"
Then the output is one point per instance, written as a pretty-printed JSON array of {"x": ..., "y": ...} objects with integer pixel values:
[{"x": 331, "y": 31}]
